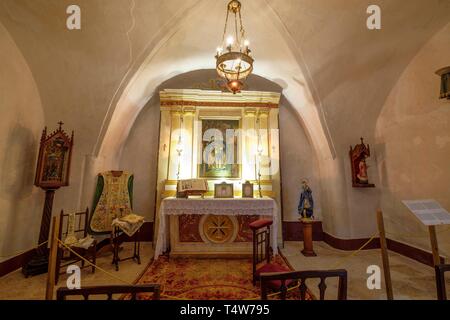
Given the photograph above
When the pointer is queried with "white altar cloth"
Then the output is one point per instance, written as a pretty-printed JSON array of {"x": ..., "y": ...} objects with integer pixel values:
[{"x": 266, "y": 207}]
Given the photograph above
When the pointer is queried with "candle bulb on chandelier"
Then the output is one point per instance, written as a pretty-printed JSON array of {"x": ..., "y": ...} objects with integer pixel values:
[
  {"x": 247, "y": 45},
  {"x": 230, "y": 42}
]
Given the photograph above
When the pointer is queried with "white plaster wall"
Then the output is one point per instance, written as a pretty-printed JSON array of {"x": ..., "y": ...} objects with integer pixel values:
[
  {"x": 298, "y": 162},
  {"x": 140, "y": 156},
  {"x": 21, "y": 123},
  {"x": 334, "y": 72},
  {"x": 413, "y": 145}
]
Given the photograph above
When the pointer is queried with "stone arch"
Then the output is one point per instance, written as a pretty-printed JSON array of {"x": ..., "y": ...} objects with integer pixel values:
[{"x": 175, "y": 55}]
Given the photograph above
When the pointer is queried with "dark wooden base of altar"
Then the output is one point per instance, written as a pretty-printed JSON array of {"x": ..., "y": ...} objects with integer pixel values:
[{"x": 308, "y": 250}]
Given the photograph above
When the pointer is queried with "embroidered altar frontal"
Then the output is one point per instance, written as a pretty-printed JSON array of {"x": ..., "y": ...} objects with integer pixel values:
[{"x": 212, "y": 227}]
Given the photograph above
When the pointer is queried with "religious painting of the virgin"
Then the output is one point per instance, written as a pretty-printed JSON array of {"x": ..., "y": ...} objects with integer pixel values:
[{"x": 220, "y": 145}]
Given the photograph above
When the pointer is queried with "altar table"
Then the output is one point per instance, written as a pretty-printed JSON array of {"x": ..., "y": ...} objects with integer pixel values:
[{"x": 215, "y": 215}]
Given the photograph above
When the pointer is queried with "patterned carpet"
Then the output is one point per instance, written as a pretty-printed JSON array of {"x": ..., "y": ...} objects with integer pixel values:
[{"x": 204, "y": 279}]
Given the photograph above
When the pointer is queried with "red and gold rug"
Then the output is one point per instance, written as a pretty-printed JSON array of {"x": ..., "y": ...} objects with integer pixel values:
[{"x": 204, "y": 279}]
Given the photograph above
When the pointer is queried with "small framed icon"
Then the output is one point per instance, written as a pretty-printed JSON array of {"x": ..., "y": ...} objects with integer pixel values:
[
  {"x": 248, "y": 190},
  {"x": 224, "y": 191}
]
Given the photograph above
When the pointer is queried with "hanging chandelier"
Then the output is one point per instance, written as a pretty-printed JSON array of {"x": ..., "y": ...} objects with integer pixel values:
[{"x": 233, "y": 59}]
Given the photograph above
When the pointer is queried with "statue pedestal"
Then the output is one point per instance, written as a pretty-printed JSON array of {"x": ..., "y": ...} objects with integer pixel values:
[{"x": 308, "y": 250}]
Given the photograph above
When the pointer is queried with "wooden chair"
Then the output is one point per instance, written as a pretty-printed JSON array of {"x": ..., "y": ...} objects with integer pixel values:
[
  {"x": 284, "y": 278},
  {"x": 261, "y": 249},
  {"x": 440, "y": 280},
  {"x": 109, "y": 291},
  {"x": 80, "y": 230}
]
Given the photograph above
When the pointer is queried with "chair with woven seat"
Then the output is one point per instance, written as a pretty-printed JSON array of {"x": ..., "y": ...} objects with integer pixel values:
[
  {"x": 287, "y": 278},
  {"x": 109, "y": 291},
  {"x": 79, "y": 231},
  {"x": 440, "y": 280},
  {"x": 261, "y": 250}
]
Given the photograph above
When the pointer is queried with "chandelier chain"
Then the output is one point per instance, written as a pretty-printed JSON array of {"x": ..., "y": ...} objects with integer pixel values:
[
  {"x": 226, "y": 27},
  {"x": 236, "y": 28},
  {"x": 242, "y": 26}
]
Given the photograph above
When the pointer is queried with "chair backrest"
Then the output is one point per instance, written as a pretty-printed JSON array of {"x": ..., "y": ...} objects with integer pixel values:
[
  {"x": 81, "y": 223},
  {"x": 261, "y": 248},
  {"x": 109, "y": 291},
  {"x": 301, "y": 277},
  {"x": 261, "y": 243},
  {"x": 440, "y": 280}
]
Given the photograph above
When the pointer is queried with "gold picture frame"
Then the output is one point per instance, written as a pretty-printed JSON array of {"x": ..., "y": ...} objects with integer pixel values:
[
  {"x": 224, "y": 191},
  {"x": 248, "y": 190}
]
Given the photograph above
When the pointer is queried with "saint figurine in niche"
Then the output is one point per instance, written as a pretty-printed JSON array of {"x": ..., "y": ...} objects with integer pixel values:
[
  {"x": 306, "y": 205},
  {"x": 362, "y": 173},
  {"x": 358, "y": 158}
]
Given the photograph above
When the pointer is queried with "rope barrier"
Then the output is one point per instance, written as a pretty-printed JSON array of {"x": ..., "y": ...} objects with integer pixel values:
[
  {"x": 164, "y": 280},
  {"x": 93, "y": 265},
  {"x": 19, "y": 253},
  {"x": 112, "y": 275},
  {"x": 334, "y": 267},
  {"x": 180, "y": 297},
  {"x": 354, "y": 253}
]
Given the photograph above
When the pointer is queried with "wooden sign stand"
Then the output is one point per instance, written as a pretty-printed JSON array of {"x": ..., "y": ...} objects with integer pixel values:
[
  {"x": 385, "y": 256},
  {"x": 431, "y": 214},
  {"x": 434, "y": 245}
]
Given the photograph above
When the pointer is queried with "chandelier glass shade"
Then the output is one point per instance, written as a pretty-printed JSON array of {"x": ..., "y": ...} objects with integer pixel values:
[{"x": 234, "y": 62}]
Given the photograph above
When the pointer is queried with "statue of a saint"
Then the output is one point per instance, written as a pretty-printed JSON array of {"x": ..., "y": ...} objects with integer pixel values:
[
  {"x": 362, "y": 173},
  {"x": 306, "y": 205}
]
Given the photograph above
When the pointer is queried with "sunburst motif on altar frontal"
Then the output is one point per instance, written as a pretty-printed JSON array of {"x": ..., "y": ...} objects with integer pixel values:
[{"x": 219, "y": 229}]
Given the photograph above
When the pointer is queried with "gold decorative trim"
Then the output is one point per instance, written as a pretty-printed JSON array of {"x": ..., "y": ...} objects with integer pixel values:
[
  {"x": 210, "y": 98},
  {"x": 177, "y": 103}
]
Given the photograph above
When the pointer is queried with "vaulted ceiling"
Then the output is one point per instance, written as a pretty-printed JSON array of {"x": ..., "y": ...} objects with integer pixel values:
[{"x": 349, "y": 69}]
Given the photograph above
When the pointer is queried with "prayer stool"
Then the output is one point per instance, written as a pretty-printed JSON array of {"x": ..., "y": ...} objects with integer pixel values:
[
  {"x": 126, "y": 228},
  {"x": 261, "y": 251},
  {"x": 117, "y": 238}
]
